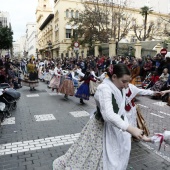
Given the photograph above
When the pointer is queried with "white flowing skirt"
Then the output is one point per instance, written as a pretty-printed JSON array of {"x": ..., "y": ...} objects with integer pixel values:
[{"x": 87, "y": 152}]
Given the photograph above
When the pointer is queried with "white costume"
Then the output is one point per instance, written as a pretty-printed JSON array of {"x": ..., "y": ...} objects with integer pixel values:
[
  {"x": 131, "y": 93},
  {"x": 56, "y": 79},
  {"x": 73, "y": 76},
  {"x": 102, "y": 76},
  {"x": 93, "y": 85},
  {"x": 80, "y": 73},
  {"x": 101, "y": 145},
  {"x": 116, "y": 141}
]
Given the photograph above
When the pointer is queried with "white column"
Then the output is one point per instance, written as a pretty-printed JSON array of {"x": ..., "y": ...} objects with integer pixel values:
[
  {"x": 69, "y": 53},
  {"x": 138, "y": 48},
  {"x": 112, "y": 47},
  {"x": 158, "y": 48},
  {"x": 96, "y": 48}
]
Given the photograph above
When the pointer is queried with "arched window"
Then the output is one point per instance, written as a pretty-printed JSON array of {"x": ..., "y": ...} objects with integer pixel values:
[
  {"x": 67, "y": 13},
  {"x": 72, "y": 14},
  {"x": 77, "y": 14}
]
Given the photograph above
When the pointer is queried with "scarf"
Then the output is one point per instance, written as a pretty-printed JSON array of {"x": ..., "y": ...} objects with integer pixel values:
[{"x": 120, "y": 99}]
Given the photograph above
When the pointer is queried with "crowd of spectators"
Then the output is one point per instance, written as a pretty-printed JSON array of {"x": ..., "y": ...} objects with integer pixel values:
[
  {"x": 153, "y": 66},
  {"x": 10, "y": 72}
]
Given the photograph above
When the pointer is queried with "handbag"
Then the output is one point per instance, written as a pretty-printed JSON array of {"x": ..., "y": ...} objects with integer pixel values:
[{"x": 141, "y": 123}]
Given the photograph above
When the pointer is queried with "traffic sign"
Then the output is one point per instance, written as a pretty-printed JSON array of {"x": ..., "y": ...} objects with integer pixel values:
[
  {"x": 163, "y": 51},
  {"x": 76, "y": 45}
]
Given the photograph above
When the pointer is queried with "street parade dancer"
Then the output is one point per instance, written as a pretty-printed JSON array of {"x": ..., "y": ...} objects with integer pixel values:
[
  {"x": 55, "y": 81},
  {"x": 93, "y": 85},
  {"x": 67, "y": 87},
  {"x": 83, "y": 91},
  {"x": 32, "y": 79},
  {"x": 105, "y": 141}
]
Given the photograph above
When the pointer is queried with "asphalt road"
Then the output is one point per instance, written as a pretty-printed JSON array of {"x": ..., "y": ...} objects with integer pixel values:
[{"x": 44, "y": 125}]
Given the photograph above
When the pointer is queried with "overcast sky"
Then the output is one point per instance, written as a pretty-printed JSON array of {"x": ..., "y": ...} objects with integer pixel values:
[{"x": 21, "y": 12}]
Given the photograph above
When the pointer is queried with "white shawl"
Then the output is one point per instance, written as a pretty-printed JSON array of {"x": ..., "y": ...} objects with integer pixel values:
[{"x": 116, "y": 142}]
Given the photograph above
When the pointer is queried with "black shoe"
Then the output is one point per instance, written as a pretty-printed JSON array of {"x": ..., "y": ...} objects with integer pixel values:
[
  {"x": 8, "y": 114},
  {"x": 65, "y": 97},
  {"x": 81, "y": 101}
]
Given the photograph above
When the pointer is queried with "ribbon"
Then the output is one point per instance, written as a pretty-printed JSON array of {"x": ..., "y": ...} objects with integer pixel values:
[{"x": 161, "y": 140}]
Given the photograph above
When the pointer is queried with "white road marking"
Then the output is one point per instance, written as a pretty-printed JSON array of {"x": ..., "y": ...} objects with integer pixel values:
[
  {"x": 55, "y": 94},
  {"x": 160, "y": 103},
  {"x": 164, "y": 113},
  {"x": 157, "y": 115},
  {"x": 9, "y": 121},
  {"x": 24, "y": 146},
  {"x": 44, "y": 117},
  {"x": 33, "y": 95},
  {"x": 79, "y": 113},
  {"x": 156, "y": 152},
  {"x": 142, "y": 105}
]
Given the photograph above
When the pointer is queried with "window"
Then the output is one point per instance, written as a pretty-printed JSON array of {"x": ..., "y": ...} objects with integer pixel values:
[
  {"x": 67, "y": 13},
  {"x": 68, "y": 33},
  {"x": 72, "y": 14},
  {"x": 77, "y": 14}
]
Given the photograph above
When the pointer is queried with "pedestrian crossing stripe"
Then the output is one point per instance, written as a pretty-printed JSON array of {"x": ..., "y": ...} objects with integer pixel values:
[
  {"x": 45, "y": 117},
  {"x": 33, "y": 95},
  {"x": 9, "y": 121},
  {"x": 79, "y": 113}
]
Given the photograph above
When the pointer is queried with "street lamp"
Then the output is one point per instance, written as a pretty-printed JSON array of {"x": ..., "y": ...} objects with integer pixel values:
[{"x": 50, "y": 46}]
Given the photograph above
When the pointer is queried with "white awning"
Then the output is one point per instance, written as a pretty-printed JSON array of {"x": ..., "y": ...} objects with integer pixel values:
[{"x": 68, "y": 26}]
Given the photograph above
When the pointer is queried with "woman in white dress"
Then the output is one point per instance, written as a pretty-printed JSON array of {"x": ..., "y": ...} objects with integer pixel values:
[
  {"x": 105, "y": 141},
  {"x": 55, "y": 81}
]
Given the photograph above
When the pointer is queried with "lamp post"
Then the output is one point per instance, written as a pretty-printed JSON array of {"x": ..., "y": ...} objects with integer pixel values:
[{"x": 50, "y": 46}]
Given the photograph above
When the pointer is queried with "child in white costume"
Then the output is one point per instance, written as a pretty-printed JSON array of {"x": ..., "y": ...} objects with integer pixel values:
[{"x": 130, "y": 106}]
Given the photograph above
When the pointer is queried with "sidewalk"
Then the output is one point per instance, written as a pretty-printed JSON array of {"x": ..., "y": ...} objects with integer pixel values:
[{"x": 37, "y": 148}]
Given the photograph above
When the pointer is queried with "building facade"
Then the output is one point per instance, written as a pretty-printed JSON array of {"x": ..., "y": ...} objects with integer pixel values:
[
  {"x": 19, "y": 48},
  {"x": 56, "y": 28},
  {"x": 43, "y": 10},
  {"x": 4, "y": 19},
  {"x": 30, "y": 43}
]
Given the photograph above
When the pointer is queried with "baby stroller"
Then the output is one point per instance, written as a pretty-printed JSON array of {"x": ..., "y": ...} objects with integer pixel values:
[
  {"x": 9, "y": 97},
  {"x": 147, "y": 82}
]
